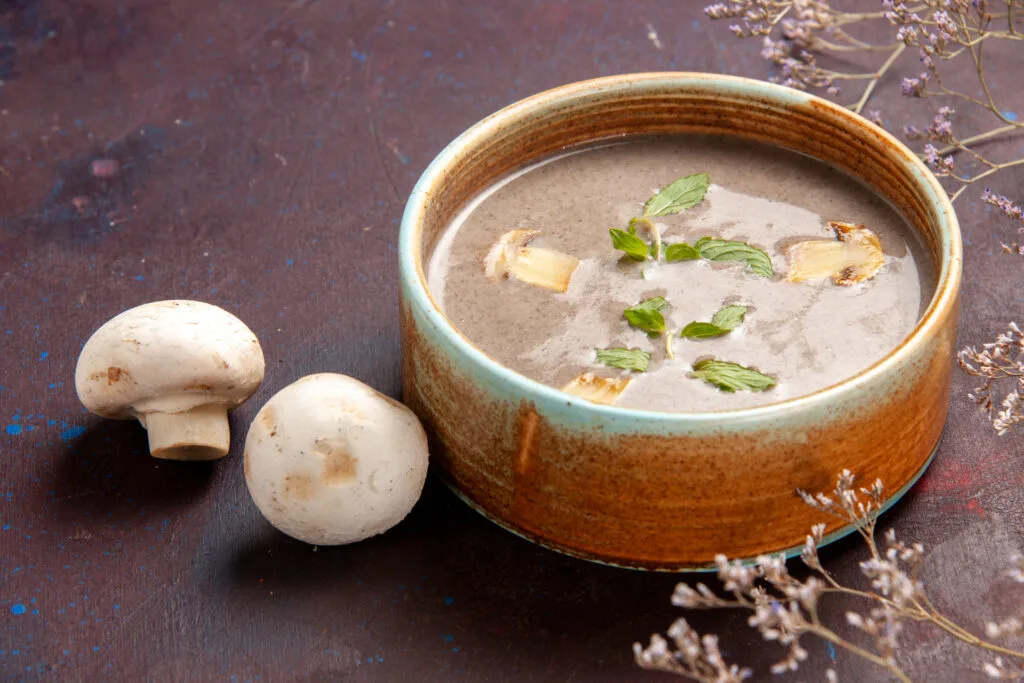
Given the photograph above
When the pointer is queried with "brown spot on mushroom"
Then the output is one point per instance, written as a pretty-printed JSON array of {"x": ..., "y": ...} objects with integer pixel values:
[
  {"x": 347, "y": 408},
  {"x": 298, "y": 486},
  {"x": 339, "y": 465},
  {"x": 246, "y": 467},
  {"x": 268, "y": 420},
  {"x": 219, "y": 360},
  {"x": 111, "y": 375},
  {"x": 198, "y": 386}
]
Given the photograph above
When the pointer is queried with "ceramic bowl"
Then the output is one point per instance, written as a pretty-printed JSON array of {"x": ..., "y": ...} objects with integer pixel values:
[{"x": 657, "y": 490}]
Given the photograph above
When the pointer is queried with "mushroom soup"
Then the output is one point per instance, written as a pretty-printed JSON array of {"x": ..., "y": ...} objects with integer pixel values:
[{"x": 682, "y": 273}]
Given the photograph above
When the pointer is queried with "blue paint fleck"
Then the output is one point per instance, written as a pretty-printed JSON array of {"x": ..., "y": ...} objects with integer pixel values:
[
  {"x": 43, "y": 355},
  {"x": 447, "y": 637},
  {"x": 695, "y": 24},
  {"x": 13, "y": 430},
  {"x": 7, "y": 527},
  {"x": 449, "y": 601},
  {"x": 359, "y": 56},
  {"x": 18, "y": 609},
  {"x": 428, "y": 54},
  {"x": 290, "y": 262},
  {"x": 455, "y": 649},
  {"x": 1011, "y": 115},
  {"x": 140, "y": 278},
  {"x": 72, "y": 433},
  {"x": 831, "y": 650}
]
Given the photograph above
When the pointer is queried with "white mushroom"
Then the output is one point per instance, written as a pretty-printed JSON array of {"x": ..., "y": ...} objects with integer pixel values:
[
  {"x": 854, "y": 256},
  {"x": 328, "y": 460},
  {"x": 177, "y": 367},
  {"x": 510, "y": 256}
]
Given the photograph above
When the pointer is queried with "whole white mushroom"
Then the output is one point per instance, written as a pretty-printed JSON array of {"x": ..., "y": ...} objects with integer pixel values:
[
  {"x": 175, "y": 366},
  {"x": 328, "y": 460}
]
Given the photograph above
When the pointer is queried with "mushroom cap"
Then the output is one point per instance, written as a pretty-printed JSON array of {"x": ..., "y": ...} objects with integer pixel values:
[
  {"x": 168, "y": 357},
  {"x": 329, "y": 460}
]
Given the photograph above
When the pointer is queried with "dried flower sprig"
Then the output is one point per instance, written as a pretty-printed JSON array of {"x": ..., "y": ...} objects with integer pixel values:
[
  {"x": 784, "y": 608},
  {"x": 997, "y": 361},
  {"x": 795, "y": 34}
]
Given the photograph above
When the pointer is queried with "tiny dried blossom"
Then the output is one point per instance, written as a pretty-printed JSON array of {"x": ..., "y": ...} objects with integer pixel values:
[
  {"x": 1016, "y": 571},
  {"x": 915, "y": 87},
  {"x": 758, "y": 16},
  {"x": 810, "y": 552},
  {"x": 1008, "y": 207},
  {"x": 997, "y": 361},
  {"x": 999, "y": 669},
  {"x": 941, "y": 128},
  {"x": 1006, "y": 627},
  {"x": 940, "y": 165},
  {"x": 693, "y": 656},
  {"x": 783, "y": 608}
]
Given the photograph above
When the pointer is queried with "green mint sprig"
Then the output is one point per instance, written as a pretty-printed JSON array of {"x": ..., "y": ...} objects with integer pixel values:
[
  {"x": 731, "y": 377},
  {"x": 626, "y": 359},
  {"x": 723, "y": 322},
  {"x": 647, "y": 316}
]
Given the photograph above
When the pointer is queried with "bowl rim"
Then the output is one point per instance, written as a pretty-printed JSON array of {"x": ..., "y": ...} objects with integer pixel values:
[{"x": 412, "y": 271}]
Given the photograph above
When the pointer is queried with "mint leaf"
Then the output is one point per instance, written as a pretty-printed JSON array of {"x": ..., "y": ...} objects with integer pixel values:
[
  {"x": 628, "y": 242},
  {"x": 714, "y": 249},
  {"x": 680, "y": 251},
  {"x": 730, "y": 317},
  {"x": 647, "y": 316},
  {"x": 696, "y": 330},
  {"x": 627, "y": 359},
  {"x": 731, "y": 377},
  {"x": 657, "y": 303},
  {"x": 727, "y": 319},
  {"x": 683, "y": 194}
]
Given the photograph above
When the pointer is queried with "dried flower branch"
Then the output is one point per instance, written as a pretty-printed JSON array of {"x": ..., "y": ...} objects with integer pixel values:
[
  {"x": 1002, "y": 359},
  {"x": 784, "y": 608},
  {"x": 797, "y": 34}
]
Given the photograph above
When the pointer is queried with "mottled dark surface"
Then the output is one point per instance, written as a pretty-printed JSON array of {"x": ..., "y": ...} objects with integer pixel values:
[{"x": 264, "y": 151}]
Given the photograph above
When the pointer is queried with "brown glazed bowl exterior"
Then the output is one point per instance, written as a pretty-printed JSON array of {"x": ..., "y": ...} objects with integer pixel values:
[{"x": 658, "y": 490}]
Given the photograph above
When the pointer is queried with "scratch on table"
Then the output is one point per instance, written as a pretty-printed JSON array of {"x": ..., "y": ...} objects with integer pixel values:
[
  {"x": 75, "y": 495},
  {"x": 272, "y": 24},
  {"x": 378, "y": 144},
  {"x": 295, "y": 178},
  {"x": 652, "y": 35}
]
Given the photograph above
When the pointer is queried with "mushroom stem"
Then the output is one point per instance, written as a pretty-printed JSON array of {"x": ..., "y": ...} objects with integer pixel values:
[{"x": 198, "y": 434}]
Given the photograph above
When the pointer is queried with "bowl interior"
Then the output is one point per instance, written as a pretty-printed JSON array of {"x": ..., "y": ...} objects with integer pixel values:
[
  {"x": 681, "y": 103},
  {"x": 588, "y": 112}
]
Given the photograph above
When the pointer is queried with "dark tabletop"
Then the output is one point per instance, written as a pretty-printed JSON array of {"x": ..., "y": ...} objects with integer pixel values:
[{"x": 264, "y": 152}]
